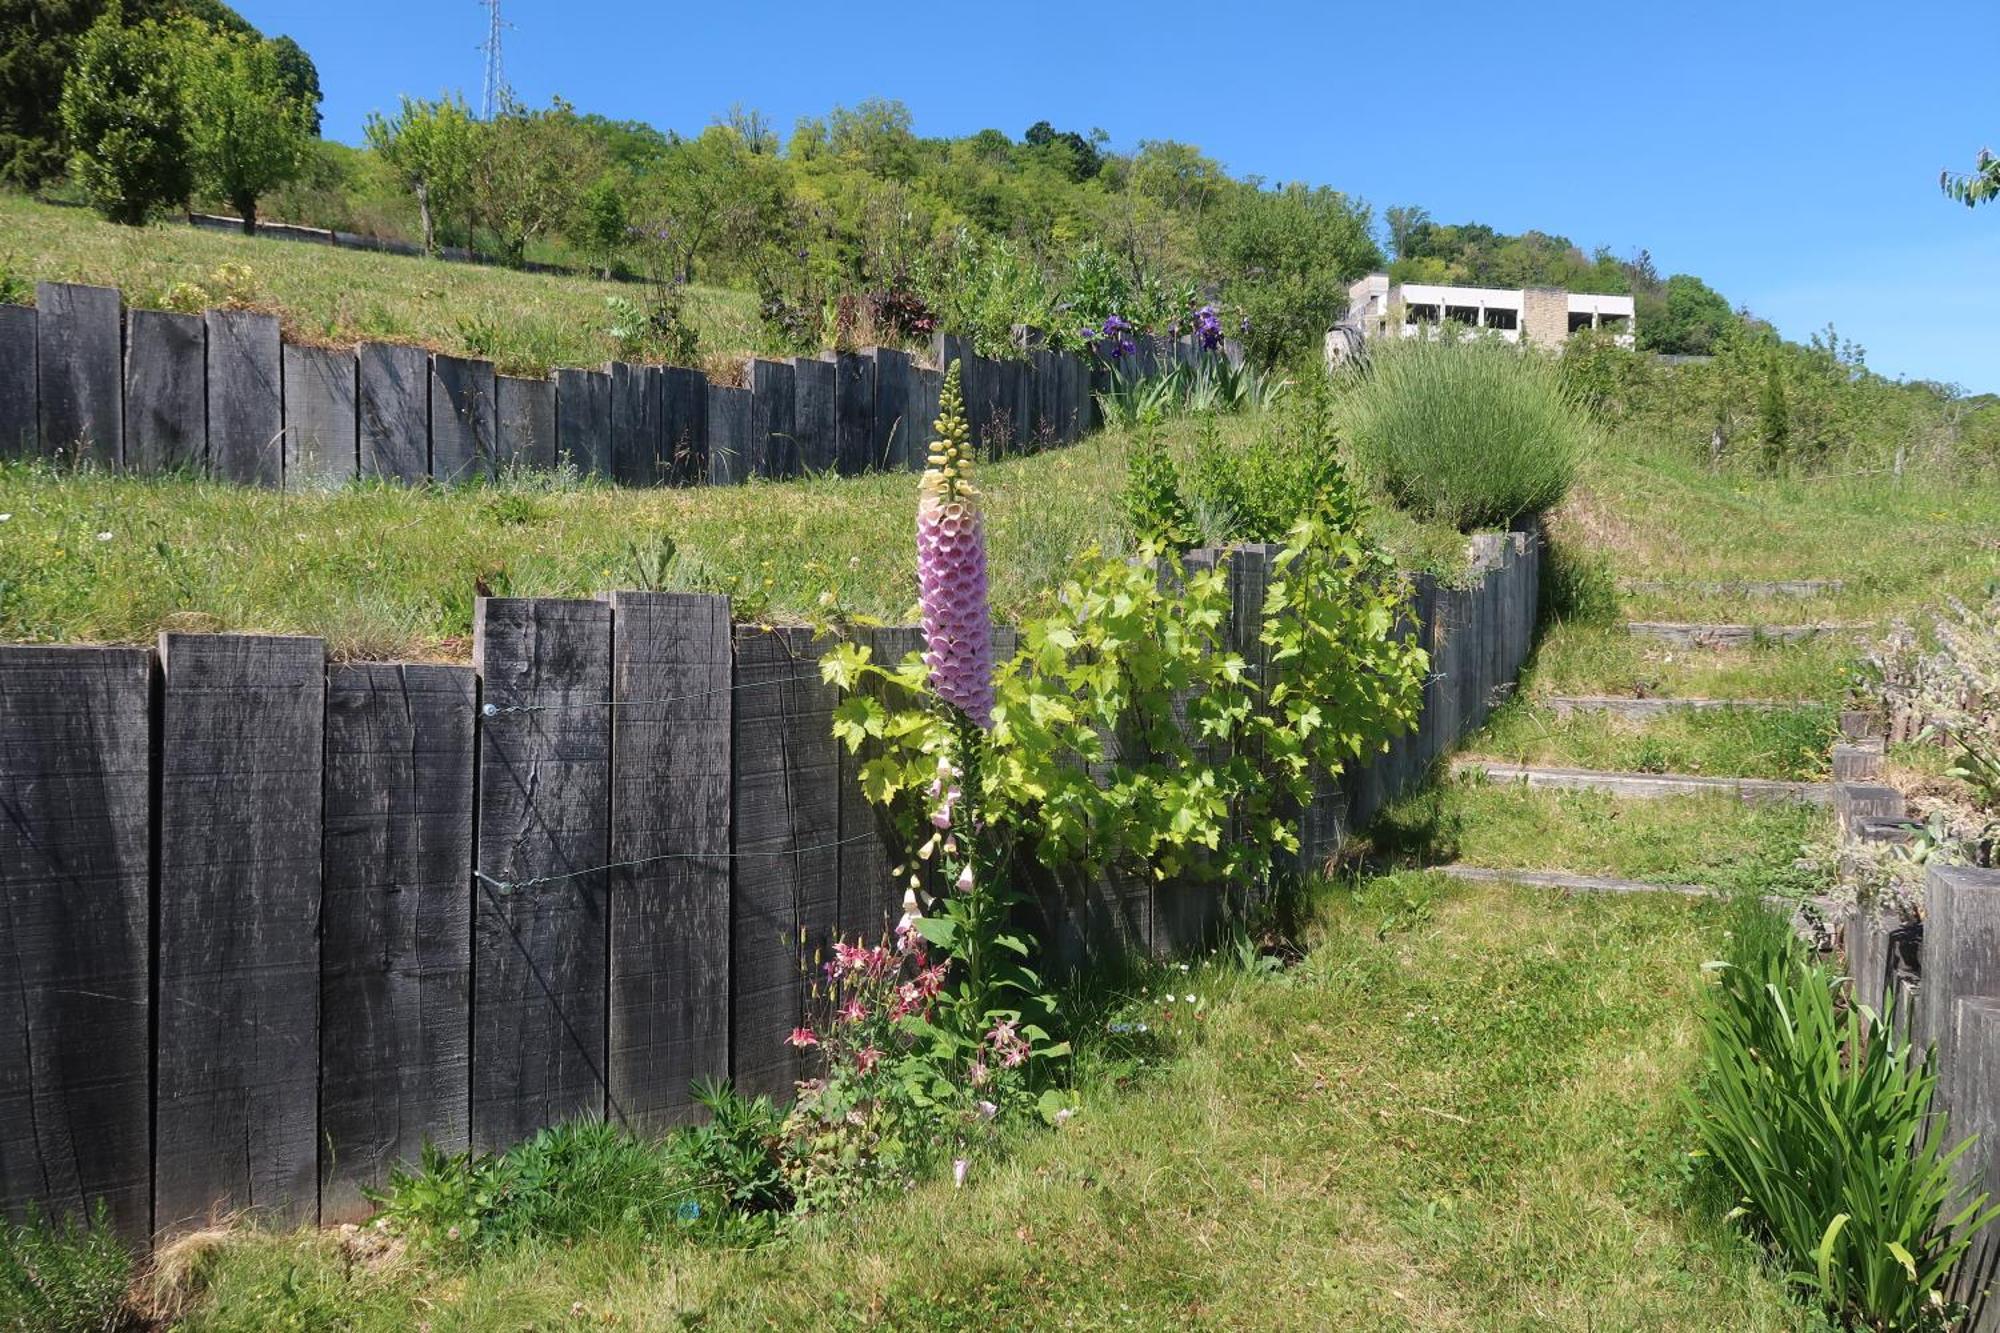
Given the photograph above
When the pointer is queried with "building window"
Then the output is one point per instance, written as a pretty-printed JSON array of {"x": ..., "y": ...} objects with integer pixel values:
[
  {"x": 1579, "y": 320},
  {"x": 1422, "y": 314},
  {"x": 1461, "y": 314},
  {"x": 1497, "y": 318}
]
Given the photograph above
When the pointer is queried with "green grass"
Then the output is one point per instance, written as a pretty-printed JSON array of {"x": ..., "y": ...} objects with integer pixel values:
[
  {"x": 1715, "y": 841},
  {"x": 1419, "y": 1127},
  {"x": 526, "y": 322},
  {"x": 1605, "y": 660},
  {"x": 1787, "y": 743}
]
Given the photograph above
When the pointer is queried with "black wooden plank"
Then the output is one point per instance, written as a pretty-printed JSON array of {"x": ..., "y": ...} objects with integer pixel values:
[
  {"x": 539, "y": 951},
  {"x": 322, "y": 430},
  {"x": 813, "y": 413},
  {"x": 890, "y": 450},
  {"x": 237, "y": 1102},
  {"x": 79, "y": 359},
  {"x": 465, "y": 428},
  {"x": 1048, "y": 400},
  {"x": 871, "y": 896},
  {"x": 684, "y": 406},
  {"x": 671, "y": 674},
  {"x": 1021, "y": 403},
  {"x": 395, "y": 412},
  {"x": 774, "y": 445},
  {"x": 246, "y": 412},
  {"x": 20, "y": 431},
  {"x": 396, "y": 961},
  {"x": 728, "y": 434},
  {"x": 583, "y": 420},
  {"x": 166, "y": 402},
  {"x": 526, "y": 414},
  {"x": 75, "y": 895},
  {"x": 925, "y": 386},
  {"x": 631, "y": 447},
  {"x": 854, "y": 413},
  {"x": 786, "y": 819}
]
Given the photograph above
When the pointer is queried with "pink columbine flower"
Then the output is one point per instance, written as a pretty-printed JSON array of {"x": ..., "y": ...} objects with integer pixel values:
[
  {"x": 803, "y": 1037},
  {"x": 867, "y": 1058},
  {"x": 951, "y": 565},
  {"x": 853, "y": 1011}
]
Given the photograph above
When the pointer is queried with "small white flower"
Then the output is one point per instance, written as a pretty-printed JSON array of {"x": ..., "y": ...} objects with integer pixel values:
[
  {"x": 6, "y": 518},
  {"x": 1064, "y": 1114},
  {"x": 1184, "y": 967},
  {"x": 104, "y": 536},
  {"x": 987, "y": 1110},
  {"x": 1190, "y": 999},
  {"x": 958, "y": 1170}
]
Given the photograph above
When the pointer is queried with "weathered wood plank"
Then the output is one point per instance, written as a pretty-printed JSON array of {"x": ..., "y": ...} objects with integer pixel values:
[
  {"x": 670, "y": 676},
  {"x": 925, "y": 387},
  {"x": 237, "y": 1104},
  {"x": 635, "y": 411},
  {"x": 891, "y": 446},
  {"x": 75, "y": 900},
  {"x": 539, "y": 951},
  {"x": 774, "y": 446},
  {"x": 396, "y": 964},
  {"x": 20, "y": 427},
  {"x": 79, "y": 340},
  {"x": 395, "y": 412},
  {"x": 166, "y": 400},
  {"x": 684, "y": 395},
  {"x": 322, "y": 418},
  {"x": 526, "y": 413},
  {"x": 246, "y": 406},
  {"x": 583, "y": 420},
  {"x": 464, "y": 419},
  {"x": 813, "y": 413},
  {"x": 870, "y": 895},
  {"x": 786, "y": 816},
  {"x": 854, "y": 413},
  {"x": 728, "y": 434}
]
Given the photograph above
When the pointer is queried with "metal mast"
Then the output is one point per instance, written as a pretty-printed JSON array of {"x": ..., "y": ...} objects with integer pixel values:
[{"x": 496, "y": 70}]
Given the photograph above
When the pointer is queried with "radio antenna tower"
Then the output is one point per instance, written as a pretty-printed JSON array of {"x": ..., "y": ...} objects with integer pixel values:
[{"x": 497, "y": 92}]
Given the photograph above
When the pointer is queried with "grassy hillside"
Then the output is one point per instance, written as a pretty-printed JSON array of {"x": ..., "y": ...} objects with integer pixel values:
[{"x": 527, "y": 322}]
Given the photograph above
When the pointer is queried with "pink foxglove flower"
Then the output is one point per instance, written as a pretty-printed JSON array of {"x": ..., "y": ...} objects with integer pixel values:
[{"x": 951, "y": 565}]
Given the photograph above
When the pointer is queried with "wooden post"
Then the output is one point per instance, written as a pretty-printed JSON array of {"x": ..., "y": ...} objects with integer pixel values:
[
  {"x": 583, "y": 420},
  {"x": 246, "y": 400},
  {"x": 322, "y": 421},
  {"x": 670, "y": 806},
  {"x": 728, "y": 434},
  {"x": 786, "y": 818},
  {"x": 685, "y": 394},
  {"x": 464, "y": 428},
  {"x": 79, "y": 342},
  {"x": 854, "y": 413},
  {"x": 632, "y": 446},
  {"x": 20, "y": 428},
  {"x": 813, "y": 414},
  {"x": 925, "y": 385},
  {"x": 774, "y": 446},
  {"x": 236, "y": 1116},
  {"x": 539, "y": 948},
  {"x": 526, "y": 416},
  {"x": 396, "y": 966},
  {"x": 166, "y": 400},
  {"x": 891, "y": 446},
  {"x": 395, "y": 412},
  {"x": 75, "y": 892},
  {"x": 870, "y": 896}
]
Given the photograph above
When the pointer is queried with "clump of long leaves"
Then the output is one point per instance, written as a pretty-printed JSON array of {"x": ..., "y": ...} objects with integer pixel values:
[
  {"x": 1821, "y": 1116},
  {"x": 1210, "y": 384}
]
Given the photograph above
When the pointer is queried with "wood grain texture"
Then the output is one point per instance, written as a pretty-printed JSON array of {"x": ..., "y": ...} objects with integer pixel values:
[
  {"x": 322, "y": 417},
  {"x": 395, "y": 412},
  {"x": 465, "y": 429},
  {"x": 246, "y": 398},
  {"x": 237, "y": 1100},
  {"x": 539, "y": 951},
  {"x": 925, "y": 386},
  {"x": 634, "y": 413},
  {"x": 786, "y": 816},
  {"x": 526, "y": 412},
  {"x": 166, "y": 399},
  {"x": 891, "y": 446},
  {"x": 670, "y": 809},
  {"x": 684, "y": 395},
  {"x": 75, "y": 948},
  {"x": 79, "y": 363},
  {"x": 871, "y": 897},
  {"x": 396, "y": 964},
  {"x": 813, "y": 414},
  {"x": 774, "y": 445},
  {"x": 583, "y": 420},
  {"x": 853, "y": 413},
  {"x": 20, "y": 425},
  {"x": 728, "y": 434}
]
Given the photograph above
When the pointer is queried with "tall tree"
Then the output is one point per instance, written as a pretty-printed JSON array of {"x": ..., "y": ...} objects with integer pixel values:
[
  {"x": 429, "y": 145},
  {"x": 249, "y": 130},
  {"x": 1976, "y": 187},
  {"x": 530, "y": 170},
  {"x": 125, "y": 116}
]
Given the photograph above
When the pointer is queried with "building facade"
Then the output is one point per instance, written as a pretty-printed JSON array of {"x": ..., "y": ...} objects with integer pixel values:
[{"x": 1542, "y": 316}]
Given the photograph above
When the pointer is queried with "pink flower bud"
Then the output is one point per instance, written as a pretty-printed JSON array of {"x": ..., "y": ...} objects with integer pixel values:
[{"x": 951, "y": 566}]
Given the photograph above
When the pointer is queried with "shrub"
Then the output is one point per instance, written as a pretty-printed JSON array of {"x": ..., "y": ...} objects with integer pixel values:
[
  {"x": 63, "y": 1277},
  {"x": 1475, "y": 433},
  {"x": 1822, "y": 1128}
]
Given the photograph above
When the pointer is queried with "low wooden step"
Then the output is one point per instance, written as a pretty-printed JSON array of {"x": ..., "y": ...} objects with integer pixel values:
[
  {"x": 1554, "y": 879},
  {"x": 1650, "y": 786},
  {"x": 1564, "y": 705},
  {"x": 1739, "y": 587},
  {"x": 1688, "y": 635}
]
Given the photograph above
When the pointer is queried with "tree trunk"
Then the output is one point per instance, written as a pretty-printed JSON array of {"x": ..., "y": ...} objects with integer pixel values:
[
  {"x": 246, "y": 208},
  {"x": 424, "y": 211}
]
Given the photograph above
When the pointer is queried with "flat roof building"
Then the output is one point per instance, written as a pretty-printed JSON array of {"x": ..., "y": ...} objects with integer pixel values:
[{"x": 1544, "y": 316}]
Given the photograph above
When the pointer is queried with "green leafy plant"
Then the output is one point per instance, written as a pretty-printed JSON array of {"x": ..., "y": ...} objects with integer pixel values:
[
  {"x": 1822, "y": 1119},
  {"x": 67, "y": 1276},
  {"x": 1154, "y": 509},
  {"x": 1476, "y": 433}
]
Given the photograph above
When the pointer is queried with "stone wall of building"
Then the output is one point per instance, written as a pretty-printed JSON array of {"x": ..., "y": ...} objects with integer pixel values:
[{"x": 1545, "y": 316}]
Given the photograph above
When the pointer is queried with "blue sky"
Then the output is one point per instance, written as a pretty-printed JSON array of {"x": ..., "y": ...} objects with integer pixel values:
[{"x": 1787, "y": 153}]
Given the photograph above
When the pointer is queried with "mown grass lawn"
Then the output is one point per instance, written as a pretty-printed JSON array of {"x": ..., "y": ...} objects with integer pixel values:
[
  {"x": 1463, "y": 1110},
  {"x": 527, "y": 322}
]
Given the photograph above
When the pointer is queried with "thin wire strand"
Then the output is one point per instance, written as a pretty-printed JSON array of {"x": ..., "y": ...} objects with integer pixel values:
[{"x": 509, "y": 885}]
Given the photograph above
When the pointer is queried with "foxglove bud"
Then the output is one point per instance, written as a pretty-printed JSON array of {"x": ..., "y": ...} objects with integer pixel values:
[{"x": 951, "y": 566}]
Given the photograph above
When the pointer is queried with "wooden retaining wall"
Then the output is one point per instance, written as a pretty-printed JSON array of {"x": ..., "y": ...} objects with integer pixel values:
[
  {"x": 222, "y": 395},
  {"x": 271, "y": 923}
]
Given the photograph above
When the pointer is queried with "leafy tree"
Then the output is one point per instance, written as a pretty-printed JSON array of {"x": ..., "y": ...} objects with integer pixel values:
[
  {"x": 1978, "y": 186},
  {"x": 249, "y": 131},
  {"x": 429, "y": 145},
  {"x": 1686, "y": 317},
  {"x": 301, "y": 79},
  {"x": 124, "y": 114},
  {"x": 1285, "y": 258},
  {"x": 1774, "y": 422},
  {"x": 530, "y": 170},
  {"x": 712, "y": 201},
  {"x": 1076, "y": 157}
]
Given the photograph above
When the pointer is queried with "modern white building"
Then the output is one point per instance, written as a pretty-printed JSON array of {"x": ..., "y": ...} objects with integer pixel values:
[{"x": 1545, "y": 316}]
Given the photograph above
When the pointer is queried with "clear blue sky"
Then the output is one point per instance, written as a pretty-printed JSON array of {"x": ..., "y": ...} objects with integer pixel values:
[{"x": 1786, "y": 152}]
